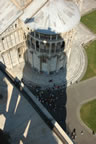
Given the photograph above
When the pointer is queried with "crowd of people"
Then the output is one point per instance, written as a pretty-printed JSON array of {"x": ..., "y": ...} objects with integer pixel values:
[{"x": 54, "y": 100}]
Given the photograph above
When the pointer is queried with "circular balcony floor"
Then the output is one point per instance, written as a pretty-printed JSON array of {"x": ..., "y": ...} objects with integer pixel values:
[{"x": 72, "y": 73}]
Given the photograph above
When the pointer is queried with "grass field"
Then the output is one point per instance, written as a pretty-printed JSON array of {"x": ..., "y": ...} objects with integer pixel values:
[
  {"x": 88, "y": 114},
  {"x": 90, "y": 21},
  {"x": 90, "y": 49}
]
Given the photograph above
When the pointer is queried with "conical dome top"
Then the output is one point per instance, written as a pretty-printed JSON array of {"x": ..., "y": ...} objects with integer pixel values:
[{"x": 57, "y": 16}]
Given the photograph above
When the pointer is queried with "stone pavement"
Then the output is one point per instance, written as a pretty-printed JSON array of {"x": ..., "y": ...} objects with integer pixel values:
[
  {"x": 77, "y": 94},
  {"x": 88, "y": 5}
]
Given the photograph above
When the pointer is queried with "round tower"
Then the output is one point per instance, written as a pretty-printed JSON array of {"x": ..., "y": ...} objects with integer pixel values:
[{"x": 51, "y": 34}]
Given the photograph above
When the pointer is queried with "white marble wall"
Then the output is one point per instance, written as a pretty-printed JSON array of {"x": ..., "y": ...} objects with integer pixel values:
[
  {"x": 54, "y": 61},
  {"x": 10, "y": 41},
  {"x": 22, "y": 3}
]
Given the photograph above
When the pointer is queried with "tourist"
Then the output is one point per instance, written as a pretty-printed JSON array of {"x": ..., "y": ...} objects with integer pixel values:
[
  {"x": 82, "y": 132},
  {"x": 93, "y": 132}
]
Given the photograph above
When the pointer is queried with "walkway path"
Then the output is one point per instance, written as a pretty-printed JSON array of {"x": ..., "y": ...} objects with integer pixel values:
[
  {"x": 78, "y": 94},
  {"x": 88, "y": 5}
]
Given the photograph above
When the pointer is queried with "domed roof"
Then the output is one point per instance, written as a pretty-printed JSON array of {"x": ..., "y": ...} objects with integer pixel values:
[{"x": 57, "y": 16}]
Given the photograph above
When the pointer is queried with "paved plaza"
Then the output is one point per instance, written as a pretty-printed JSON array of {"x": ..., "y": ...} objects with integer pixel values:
[
  {"x": 74, "y": 70},
  {"x": 88, "y": 5},
  {"x": 65, "y": 104}
]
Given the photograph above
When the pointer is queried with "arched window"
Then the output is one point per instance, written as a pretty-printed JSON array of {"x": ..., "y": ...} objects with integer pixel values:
[
  {"x": 28, "y": 43},
  {"x": 37, "y": 44},
  {"x": 20, "y": 52},
  {"x": 63, "y": 45},
  {"x": 53, "y": 48},
  {"x": 43, "y": 59}
]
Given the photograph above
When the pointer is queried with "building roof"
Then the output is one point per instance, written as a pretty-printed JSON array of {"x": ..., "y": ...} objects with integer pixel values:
[
  {"x": 53, "y": 16},
  {"x": 32, "y": 9},
  {"x": 8, "y": 14},
  {"x": 56, "y": 16},
  {"x": 21, "y": 4}
]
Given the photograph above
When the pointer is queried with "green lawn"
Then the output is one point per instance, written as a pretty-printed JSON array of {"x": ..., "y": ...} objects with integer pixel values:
[
  {"x": 88, "y": 114},
  {"x": 90, "y": 21},
  {"x": 90, "y": 49}
]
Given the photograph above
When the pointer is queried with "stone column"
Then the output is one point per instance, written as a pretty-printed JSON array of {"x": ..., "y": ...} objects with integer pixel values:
[
  {"x": 10, "y": 58},
  {"x": 11, "y": 41},
  {"x": 2, "y": 44},
  {"x": 55, "y": 46},
  {"x": 39, "y": 46},
  {"x": 18, "y": 34},
  {"x": 3, "y": 58},
  {"x": 7, "y": 43},
  {"x": 14, "y": 38},
  {"x": 56, "y": 37},
  {"x": 50, "y": 48}
]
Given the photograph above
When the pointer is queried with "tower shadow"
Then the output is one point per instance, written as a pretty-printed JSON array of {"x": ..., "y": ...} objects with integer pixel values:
[
  {"x": 48, "y": 87},
  {"x": 4, "y": 136},
  {"x": 19, "y": 118},
  {"x": 52, "y": 95}
]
